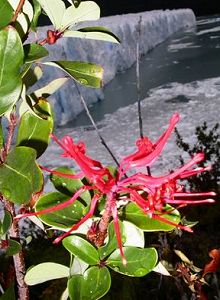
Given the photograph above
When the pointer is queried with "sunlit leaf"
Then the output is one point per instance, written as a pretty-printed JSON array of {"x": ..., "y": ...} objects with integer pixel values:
[
  {"x": 82, "y": 249},
  {"x": 78, "y": 266},
  {"x": 50, "y": 88},
  {"x": 54, "y": 10},
  {"x": 94, "y": 33},
  {"x": 92, "y": 285},
  {"x": 86, "y": 11},
  {"x": 10, "y": 81},
  {"x": 135, "y": 215},
  {"x": 13, "y": 248},
  {"x": 134, "y": 236},
  {"x": 63, "y": 218},
  {"x": 33, "y": 131},
  {"x": 160, "y": 269},
  {"x": 139, "y": 261},
  {"x": 6, "y": 13},
  {"x": 85, "y": 73},
  {"x": 20, "y": 176},
  {"x": 44, "y": 272},
  {"x": 33, "y": 52}
]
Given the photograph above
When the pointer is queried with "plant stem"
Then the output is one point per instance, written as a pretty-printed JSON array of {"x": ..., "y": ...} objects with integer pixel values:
[
  {"x": 18, "y": 10},
  {"x": 94, "y": 125},
  {"x": 19, "y": 263},
  {"x": 11, "y": 129},
  {"x": 138, "y": 78},
  {"x": 138, "y": 83}
]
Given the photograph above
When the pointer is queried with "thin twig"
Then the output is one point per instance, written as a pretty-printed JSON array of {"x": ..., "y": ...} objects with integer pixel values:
[
  {"x": 18, "y": 10},
  {"x": 94, "y": 125},
  {"x": 138, "y": 83}
]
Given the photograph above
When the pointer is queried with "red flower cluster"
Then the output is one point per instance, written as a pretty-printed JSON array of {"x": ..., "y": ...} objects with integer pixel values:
[{"x": 149, "y": 193}]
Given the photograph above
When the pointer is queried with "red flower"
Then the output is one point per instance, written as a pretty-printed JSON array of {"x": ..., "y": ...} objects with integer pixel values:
[{"x": 159, "y": 191}]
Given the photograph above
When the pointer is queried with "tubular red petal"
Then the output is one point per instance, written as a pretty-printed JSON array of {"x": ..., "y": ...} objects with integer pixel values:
[
  {"x": 70, "y": 176},
  {"x": 118, "y": 234},
  {"x": 158, "y": 217},
  {"x": 56, "y": 207}
]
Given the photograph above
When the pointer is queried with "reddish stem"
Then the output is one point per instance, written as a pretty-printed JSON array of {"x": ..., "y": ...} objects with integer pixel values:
[
  {"x": 19, "y": 263},
  {"x": 18, "y": 10}
]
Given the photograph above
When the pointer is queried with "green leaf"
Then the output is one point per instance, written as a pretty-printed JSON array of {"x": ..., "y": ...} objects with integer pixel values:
[
  {"x": 33, "y": 52},
  {"x": 135, "y": 215},
  {"x": 13, "y": 248},
  {"x": 50, "y": 88},
  {"x": 44, "y": 272},
  {"x": 63, "y": 218},
  {"x": 54, "y": 9},
  {"x": 10, "y": 81},
  {"x": 6, "y": 13},
  {"x": 94, "y": 33},
  {"x": 1, "y": 136},
  {"x": 93, "y": 285},
  {"x": 37, "y": 12},
  {"x": 85, "y": 73},
  {"x": 20, "y": 177},
  {"x": 134, "y": 236},
  {"x": 82, "y": 249},
  {"x": 9, "y": 294},
  {"x": 33, "y": 131},
  {"x": 69, "y": 186},
  {"x": 6, "y": 223},
  {"x": 86, "y": 11},
  {"x": 139, "y": 261},
  {"x": 111, "y": 244}
]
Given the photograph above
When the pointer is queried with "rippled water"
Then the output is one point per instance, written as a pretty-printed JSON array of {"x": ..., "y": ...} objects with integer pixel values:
[{"x": 181, "y": 75}]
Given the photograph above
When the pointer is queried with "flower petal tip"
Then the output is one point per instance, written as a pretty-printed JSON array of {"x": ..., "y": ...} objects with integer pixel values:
[{"x": 124, "y": 261}]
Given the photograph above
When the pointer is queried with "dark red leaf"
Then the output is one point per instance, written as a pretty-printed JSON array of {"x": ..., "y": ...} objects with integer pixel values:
[{"x": 214, "y": 264}]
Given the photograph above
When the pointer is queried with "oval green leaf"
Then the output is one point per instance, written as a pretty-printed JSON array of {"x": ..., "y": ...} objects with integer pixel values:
[
  {"x": 44, "y": 272},
  {"x": 86, "y": 11},
  {"x": 7, "y": 221},
  {"x": 82, "y": 249},
  {"x": 139, "y": 261},
  {"x": 87, "y": 74},
  {"x": 34, "y": 131},
  {"x": 20, "y": 177},
  {"x": 10, "y": 79},
  {"x": 63, "y": 218},
  {"x": 69, "y": 186},
  {"x": 33, "y": 52},
  {"x": 13, "y": 248},
  {"x": 135, "y": 215},
  {"x": 37, "y": 12},
  {"x": 6, "y": 13},
  {"x": 54, "y": 10},
  {"x": 94, "y": 33},
  {"x": 93, "y": 285}
]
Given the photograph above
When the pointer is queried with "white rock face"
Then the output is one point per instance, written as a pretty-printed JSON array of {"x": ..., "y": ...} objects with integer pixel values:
[{"x": 156, "y": 26}]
